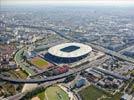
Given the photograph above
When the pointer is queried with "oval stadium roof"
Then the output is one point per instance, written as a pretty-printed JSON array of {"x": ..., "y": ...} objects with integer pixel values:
[{"x": 67, "y": 50}]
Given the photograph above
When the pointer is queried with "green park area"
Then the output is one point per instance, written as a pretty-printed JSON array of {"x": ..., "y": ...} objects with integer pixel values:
[
  {"x": 94, "y": 93},
  {"x": 21, "y": 74},
  {"x": 53, "y": 93},
  {"x": 18, "y": 74}
]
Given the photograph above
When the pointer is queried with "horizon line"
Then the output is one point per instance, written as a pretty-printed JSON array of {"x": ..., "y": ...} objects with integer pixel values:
[{"x": 64, "y": 2}]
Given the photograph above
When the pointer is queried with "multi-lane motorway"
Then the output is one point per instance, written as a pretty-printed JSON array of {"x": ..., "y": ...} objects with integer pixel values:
[
  {"x": 100, "y": 48},
  {"x": 83, "y": 67},
  {"x": 53, "y": 78}
]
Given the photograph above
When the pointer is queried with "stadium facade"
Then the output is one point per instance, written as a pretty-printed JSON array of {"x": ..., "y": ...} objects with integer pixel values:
[{"x": 67, "y": 52}]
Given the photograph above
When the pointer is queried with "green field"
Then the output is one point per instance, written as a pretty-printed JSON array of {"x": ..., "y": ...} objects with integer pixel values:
[
  {"x": 56, "y": 93},
  {"x": 53, "y": 93},
  {"x": 133, "y": 87},
  {"x": 18, "y": 74},
  {"x": 117, "y": 96},
  {"x": 93, "y": 93},
  {"x": 40, "y": 63},
  {"x": 21, "y": 74}
]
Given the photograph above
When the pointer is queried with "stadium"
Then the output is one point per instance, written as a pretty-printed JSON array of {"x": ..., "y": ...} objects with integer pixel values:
[{"x": 67, "y": 52}]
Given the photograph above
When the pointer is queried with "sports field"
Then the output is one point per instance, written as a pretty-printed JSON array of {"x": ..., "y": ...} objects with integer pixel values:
[
  {"x": 53, "y": 93},
  {"x": 56, "y": 93},
  {"x": 40, "y": 63}
]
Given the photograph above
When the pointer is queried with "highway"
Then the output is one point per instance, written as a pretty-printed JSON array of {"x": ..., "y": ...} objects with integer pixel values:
[
  {"x": 83, "y": 67},
  {"x": 22, "y": 94},
  {"x": 23, "y": 65},
  {"x": 53, "y": 78},
  {"x": 100, "y": 48},
  {"x": 56, "y": 78},
  {"x": 112, "y": 53}
]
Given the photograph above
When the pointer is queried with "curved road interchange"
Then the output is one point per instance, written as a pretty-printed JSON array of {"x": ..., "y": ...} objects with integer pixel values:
[{"x": 70, "y": 72}]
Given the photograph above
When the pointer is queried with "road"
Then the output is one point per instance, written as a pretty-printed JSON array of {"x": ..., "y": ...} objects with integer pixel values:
[
  {"x": 112, "y": 53},
  {"x": 126, "y": 49},
  {"x": 53, "y": 78},
  {"x": 83, "y": 67},
  {"x": 18, "y": 59},
  {"x": 22, "y": 94},
  {"x": 100, "y": 48}
]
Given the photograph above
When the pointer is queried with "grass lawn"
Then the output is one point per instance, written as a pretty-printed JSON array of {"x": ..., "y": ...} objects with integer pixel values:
[
  {"x": 18, "y": 74},
  {"x": 12, "y": 74},
  {"x": 53, "y": 93},
  {"x": 56, "y": 93},
  {"x": 133, "y": 87},
  {"x": 21, "y": 74},
  {"x": 41, "y": 95},
  {"x": 40, "y": 63},
  {"x": 93, "y": 93},
  {"x": 132, "y": 72},
  {"x": 114, "y": 97}
]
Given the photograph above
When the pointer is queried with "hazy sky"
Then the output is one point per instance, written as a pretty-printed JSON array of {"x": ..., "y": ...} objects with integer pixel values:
[{"x": 72, "y": 2}]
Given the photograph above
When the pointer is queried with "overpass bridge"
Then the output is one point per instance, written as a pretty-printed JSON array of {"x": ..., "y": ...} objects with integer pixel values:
[
  {"x": 53, "y": 78},
  {"x": 83, "y": 67}
]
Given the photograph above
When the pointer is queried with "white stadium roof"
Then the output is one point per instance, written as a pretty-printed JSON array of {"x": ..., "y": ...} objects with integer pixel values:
[{"x": 81, "y": 50}]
